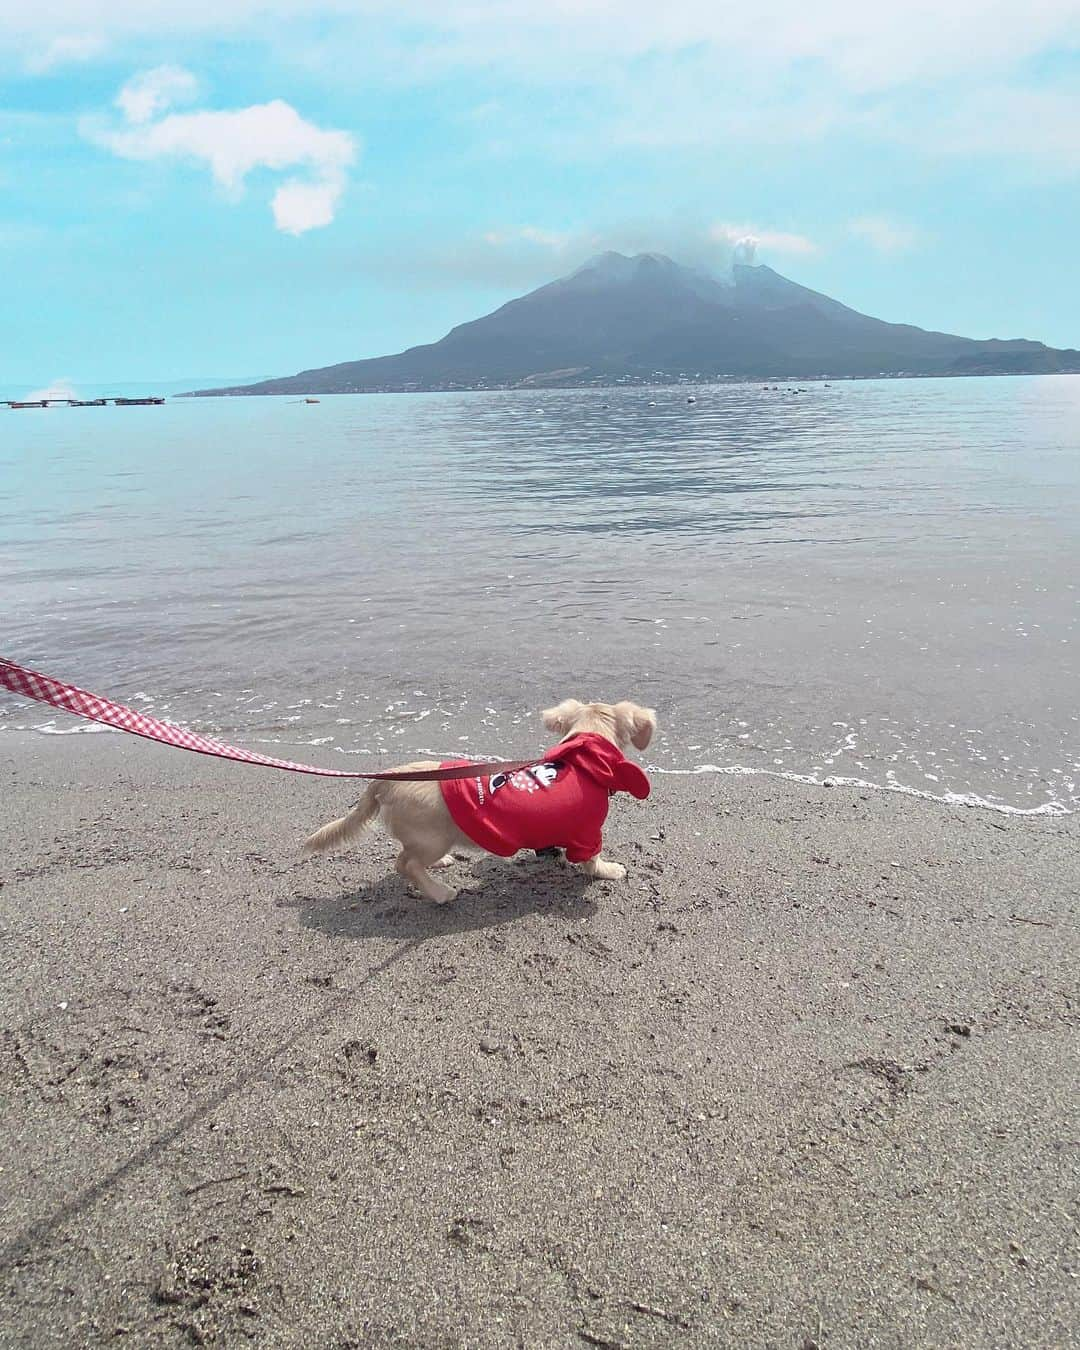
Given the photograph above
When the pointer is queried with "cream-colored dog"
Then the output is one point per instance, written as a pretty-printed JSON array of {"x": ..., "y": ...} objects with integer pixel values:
[{"x": 417, "y": 815}]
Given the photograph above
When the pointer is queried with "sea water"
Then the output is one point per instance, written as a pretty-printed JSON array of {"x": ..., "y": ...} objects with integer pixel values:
[{"x": 875, "y": 580}]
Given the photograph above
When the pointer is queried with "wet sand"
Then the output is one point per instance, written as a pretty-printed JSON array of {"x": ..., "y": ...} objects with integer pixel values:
[{"x": 806, "y": 1078}]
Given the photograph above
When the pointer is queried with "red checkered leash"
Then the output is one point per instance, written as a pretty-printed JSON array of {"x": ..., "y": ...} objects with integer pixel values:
[{"x": 32, "y": 684}]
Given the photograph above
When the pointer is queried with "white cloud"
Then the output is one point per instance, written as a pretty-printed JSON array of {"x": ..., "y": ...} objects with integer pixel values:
[
  {"x": 1039, "y": 126},
  {"x": 885, "y": 234},
  {"x": 745, "y": 240},
  {"x": 64, "y": 50},
  {"x": 528, "y": 255},
  {"x": 233, "y": 143},
  {"x": 689, "y": 241},
  {"x": 690, "y": 72},
  {"x": 511, "y": 255},
  {"x": 866, "y": 46},
  {"x": 58, "y": 388},
  {"x": 152, "y": 92},
  {"x": 300, "y": 206}
]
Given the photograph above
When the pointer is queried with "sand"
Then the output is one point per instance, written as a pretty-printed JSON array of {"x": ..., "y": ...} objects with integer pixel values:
[{"x": 806, "y": 1078}]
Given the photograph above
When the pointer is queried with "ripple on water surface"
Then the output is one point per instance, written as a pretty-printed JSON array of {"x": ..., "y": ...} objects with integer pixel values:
[{"x": 869, "y": 581}]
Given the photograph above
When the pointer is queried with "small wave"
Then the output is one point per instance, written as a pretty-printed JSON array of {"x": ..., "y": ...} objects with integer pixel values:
[
  {"x": 969, "y": 799},
  {"x": 1054, "y": 807},
  {"x": 79, "y": 729}
]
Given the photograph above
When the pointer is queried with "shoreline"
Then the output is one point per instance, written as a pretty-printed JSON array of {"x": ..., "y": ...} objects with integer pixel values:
[
  {"x": 967, "y": 800},
  {"x": 676, "y": 382},
  {"x": 803, "y": 1078}
]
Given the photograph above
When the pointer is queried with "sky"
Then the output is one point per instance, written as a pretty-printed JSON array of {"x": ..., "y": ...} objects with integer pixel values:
[{"x": 197, "y": 191}]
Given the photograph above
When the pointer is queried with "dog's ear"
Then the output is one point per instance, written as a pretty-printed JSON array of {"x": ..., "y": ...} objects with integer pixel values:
[
  {"x": 561, "y": 718},
  {"x": 634, "y": 724}
]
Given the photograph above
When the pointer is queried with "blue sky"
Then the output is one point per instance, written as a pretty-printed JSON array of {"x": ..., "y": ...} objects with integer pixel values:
[{"x": 251, "y": 187}]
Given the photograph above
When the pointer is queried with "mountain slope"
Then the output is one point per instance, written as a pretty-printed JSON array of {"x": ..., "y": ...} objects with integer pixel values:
[{"x": 647, "y": 317}]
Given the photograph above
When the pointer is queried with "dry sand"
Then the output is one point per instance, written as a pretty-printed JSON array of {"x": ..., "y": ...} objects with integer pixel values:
[{"x": 806, "y": 1078}]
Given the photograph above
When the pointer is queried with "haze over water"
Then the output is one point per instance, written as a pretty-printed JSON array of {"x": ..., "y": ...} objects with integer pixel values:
[{"x": 876, "y": 579}]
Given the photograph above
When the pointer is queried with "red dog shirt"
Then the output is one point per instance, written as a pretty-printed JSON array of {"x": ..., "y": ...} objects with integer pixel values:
[{"x": 560, "y": 801}]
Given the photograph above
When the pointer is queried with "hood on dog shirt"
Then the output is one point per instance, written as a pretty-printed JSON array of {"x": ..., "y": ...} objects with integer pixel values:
[{"x": 560, "y": 801}]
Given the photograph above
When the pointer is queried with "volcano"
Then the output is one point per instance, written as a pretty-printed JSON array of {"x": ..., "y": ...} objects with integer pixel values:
[{"x": 646, "y": 318}]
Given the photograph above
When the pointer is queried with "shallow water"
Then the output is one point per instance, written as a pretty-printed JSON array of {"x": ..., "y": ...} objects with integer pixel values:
[{"x": 868, "y": 579}]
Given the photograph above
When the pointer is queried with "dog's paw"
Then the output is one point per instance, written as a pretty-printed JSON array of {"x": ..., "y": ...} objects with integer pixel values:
[
  {"x": 602, "y": 870},
  {"x": 442, "y": 895},
  {"x": 447, "y": 860}
]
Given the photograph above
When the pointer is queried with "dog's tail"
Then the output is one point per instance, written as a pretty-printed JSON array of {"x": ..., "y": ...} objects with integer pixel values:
[{"x": 339, "y": 832}]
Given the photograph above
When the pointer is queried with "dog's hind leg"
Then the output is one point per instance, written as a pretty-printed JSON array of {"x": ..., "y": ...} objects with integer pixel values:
[
  {"x": 416, "y": 815},
  {"x": 415, "y": 869}
]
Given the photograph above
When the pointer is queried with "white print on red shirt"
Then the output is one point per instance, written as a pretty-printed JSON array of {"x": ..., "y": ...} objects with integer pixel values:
[{"x": 526, "y": 780}]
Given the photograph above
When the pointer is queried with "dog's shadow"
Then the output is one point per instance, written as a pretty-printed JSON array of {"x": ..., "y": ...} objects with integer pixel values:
[{"x": 492, "y": 894}]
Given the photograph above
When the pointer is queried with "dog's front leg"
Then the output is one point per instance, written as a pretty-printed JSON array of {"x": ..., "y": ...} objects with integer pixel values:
[{"x": 603, "y": 870}]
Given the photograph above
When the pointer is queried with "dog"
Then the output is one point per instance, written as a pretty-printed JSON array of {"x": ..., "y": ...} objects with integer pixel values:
[{"x": 559, "y": 802}]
